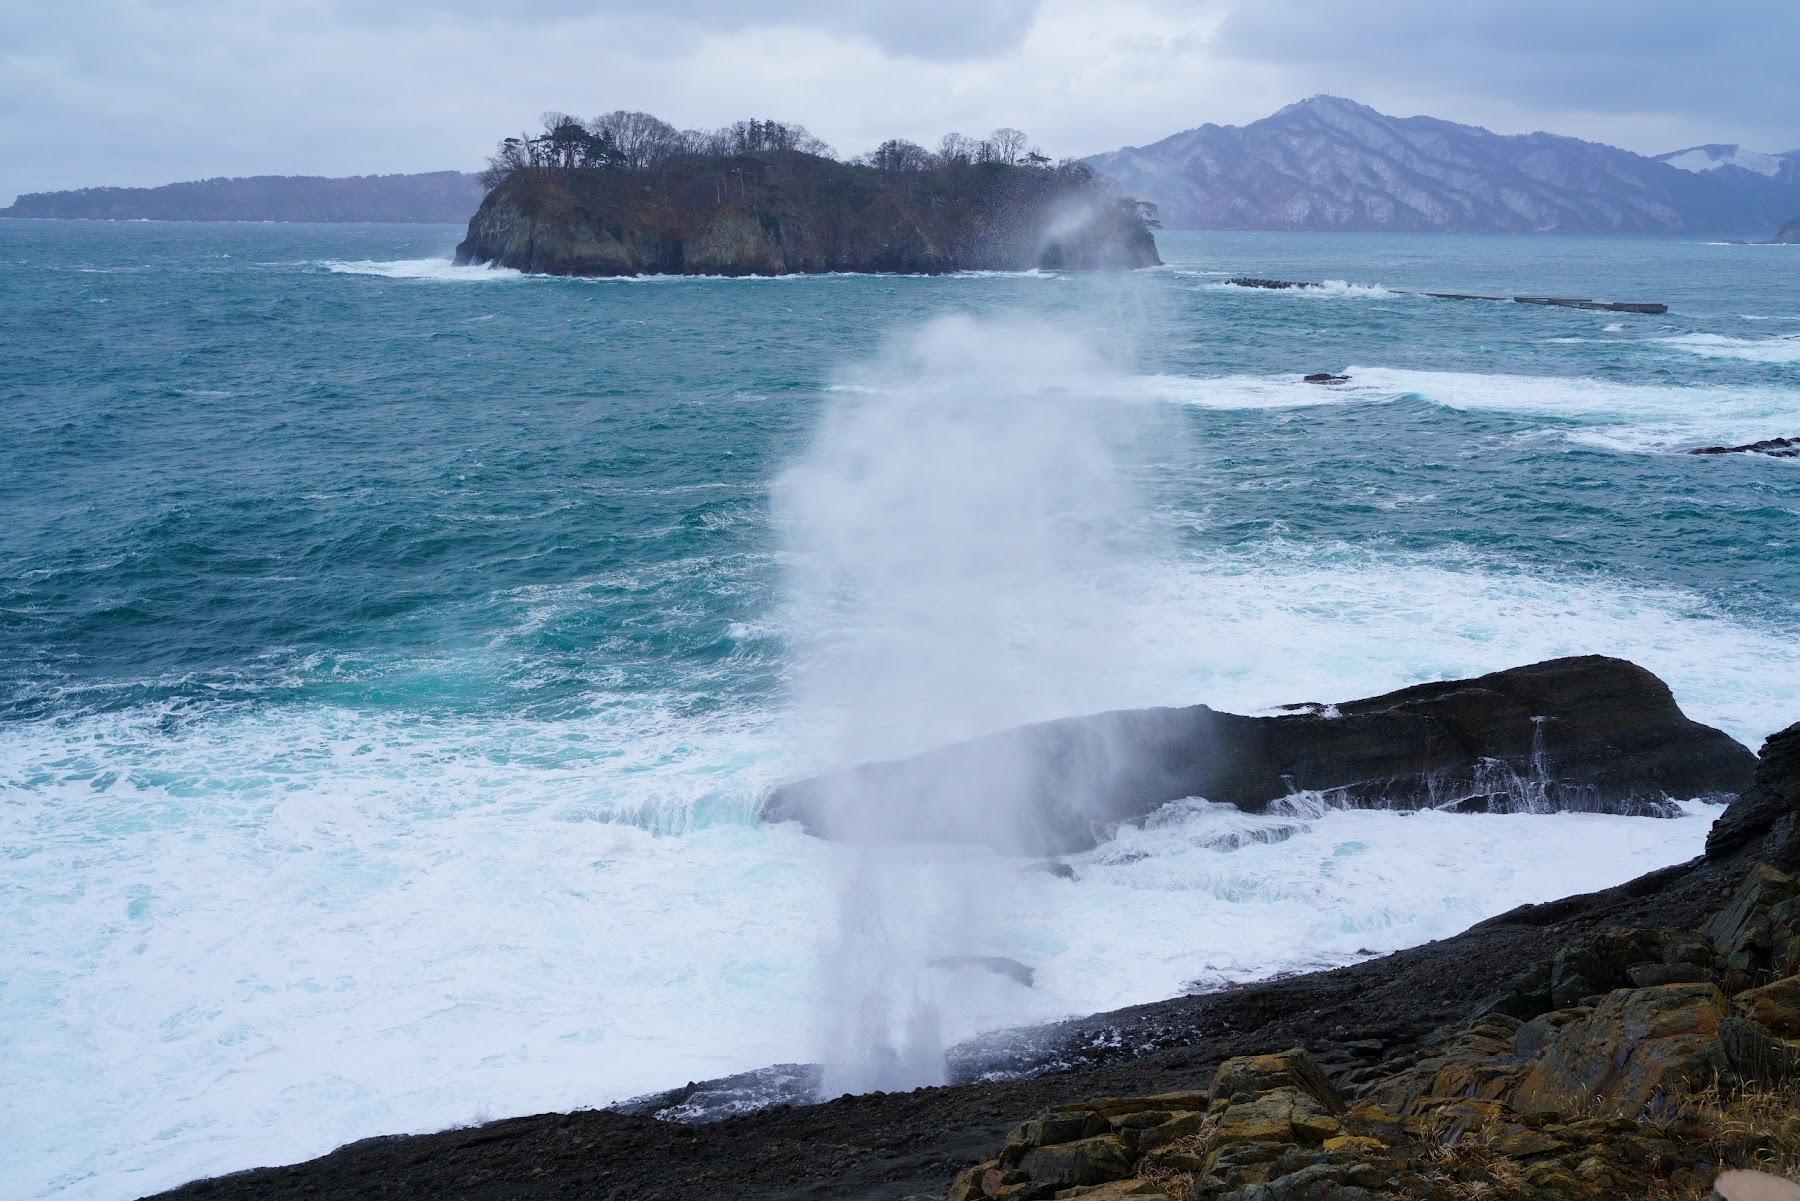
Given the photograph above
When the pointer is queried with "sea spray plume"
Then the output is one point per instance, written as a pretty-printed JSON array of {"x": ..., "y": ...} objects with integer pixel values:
[{"x": 957, "y": 532}]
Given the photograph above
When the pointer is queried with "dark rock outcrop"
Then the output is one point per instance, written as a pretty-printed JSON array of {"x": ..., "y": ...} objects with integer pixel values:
[
  {"x": 1592, "y": 734},
  {"x": 1768, "y": 811},
  {"x": 1775, "y": 448},
  {"x": 1788, "y": 234},
  {"x": 787, "y": 212}
]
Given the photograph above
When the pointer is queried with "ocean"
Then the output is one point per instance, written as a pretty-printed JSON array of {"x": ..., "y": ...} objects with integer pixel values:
[{"x": 393, "y": 654}]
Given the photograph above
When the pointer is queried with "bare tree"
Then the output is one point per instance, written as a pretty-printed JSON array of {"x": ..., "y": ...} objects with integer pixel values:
[
  {"x": 898, "y": 154},
  {"x": 642, "y": 140},
  {"x": 955, "y": 148},
  {"x": 766, "y": 137},
  {"x": 512, "y": 155},
  {"x": 1008, "y": 145}
]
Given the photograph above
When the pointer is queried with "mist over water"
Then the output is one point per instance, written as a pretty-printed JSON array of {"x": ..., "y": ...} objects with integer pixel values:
[{"x": 958, "y": 532}]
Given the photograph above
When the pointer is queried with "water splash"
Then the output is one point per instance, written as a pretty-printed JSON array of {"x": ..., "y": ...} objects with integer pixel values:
[{"x": 956, "y": 532}]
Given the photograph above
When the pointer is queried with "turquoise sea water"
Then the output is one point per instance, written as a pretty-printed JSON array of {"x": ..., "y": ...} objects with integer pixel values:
[{"x": 392, "y": 654}]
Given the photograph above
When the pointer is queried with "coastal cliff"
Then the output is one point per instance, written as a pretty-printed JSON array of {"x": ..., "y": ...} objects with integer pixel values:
[{"x": 789, "y": 212}]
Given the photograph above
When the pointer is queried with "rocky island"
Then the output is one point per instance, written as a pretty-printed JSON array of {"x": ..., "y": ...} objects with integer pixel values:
[
  {"x": 1627, "y": 1043},
  {"x": 629, "y": 195}
]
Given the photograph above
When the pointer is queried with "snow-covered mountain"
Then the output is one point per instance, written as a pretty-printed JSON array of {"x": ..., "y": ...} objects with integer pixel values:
[
  {"x": 1330, "y": 163},
  {"x": 1716, "y": 156}
]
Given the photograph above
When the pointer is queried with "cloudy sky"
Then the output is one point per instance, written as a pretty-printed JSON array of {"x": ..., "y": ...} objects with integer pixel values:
[{"x": 149, "y": 91}]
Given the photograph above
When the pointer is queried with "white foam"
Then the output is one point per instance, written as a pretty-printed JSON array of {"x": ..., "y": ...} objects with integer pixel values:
[
  {"x": 444, "y": 271},
  {"x": 249, "y": 939},
  {"x": 1754, "y": 350},
  {"x": 1329, "y": 289},
  {"x": 1228, "y": 392},
  {"x": 1604, "y": 413},
  {"x": 437, "y": 270}
]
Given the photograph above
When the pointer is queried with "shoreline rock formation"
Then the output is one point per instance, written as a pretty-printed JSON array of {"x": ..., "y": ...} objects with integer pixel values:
[
  {"x": 1774, "y": 448},
  {"x": 1424, "y": 1073},
  {"x": 1591, "y": 733},
  {"x": 1634, "y": 1062},
  {"x": 788, "y": 212}
]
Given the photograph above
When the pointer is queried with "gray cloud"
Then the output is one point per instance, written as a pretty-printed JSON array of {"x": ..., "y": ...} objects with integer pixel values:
[
  {"x": 1731, "y": 64},
  {"x": 124, "y": 92},
  {"x": 930, "y": 29}
]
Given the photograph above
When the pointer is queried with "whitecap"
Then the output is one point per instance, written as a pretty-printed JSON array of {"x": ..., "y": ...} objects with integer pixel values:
[
  {"x": 1784, "y": 349},
  {"x": 438, "y": 270},
  {"x": 1331, "y": 289},
  {"x": 1613, "y": 415}
]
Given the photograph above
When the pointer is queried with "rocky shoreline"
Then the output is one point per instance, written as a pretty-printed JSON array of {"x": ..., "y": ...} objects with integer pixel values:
[{"x": 1612, "y": 1044}]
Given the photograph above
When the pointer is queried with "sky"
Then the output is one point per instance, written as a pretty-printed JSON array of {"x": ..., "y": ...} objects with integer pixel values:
[{"x": 134, "y": 92}]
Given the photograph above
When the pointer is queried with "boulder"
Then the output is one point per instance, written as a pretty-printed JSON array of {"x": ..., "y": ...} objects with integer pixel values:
[
  {"x": 1591, "y": 733},
  {"x": 1768, "y": 810},
  {"x": 1084, "y": 1161},
  {"x": 1775, "y": 1007},
  {"x": 1249, "y": 1076},
  {"x": 1638, "y": 1046},
  {"x": 1757, "y": 934}
]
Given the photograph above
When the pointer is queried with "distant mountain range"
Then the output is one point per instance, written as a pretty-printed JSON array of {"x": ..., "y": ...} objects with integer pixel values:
[
  {"x": 1325, "y": 163},
  {"x": 447, "y": 196},
  {"x": 1332, "y": 164}
]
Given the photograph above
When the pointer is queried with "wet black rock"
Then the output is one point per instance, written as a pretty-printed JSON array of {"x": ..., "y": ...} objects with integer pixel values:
[
  {"x": 1777, "y": 448},
  {"x": 1768, "y": 810},
  {"x": 1592, "y": 734}
]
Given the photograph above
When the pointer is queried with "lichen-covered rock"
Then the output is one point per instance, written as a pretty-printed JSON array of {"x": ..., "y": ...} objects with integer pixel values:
[
  {"x": 1637, "y": 1046},
  {"x": 1775, "y": 1007},
  {"x": 1630, "y": 1096},
  {"x": 1757, "y": 934},
  {"x": 1280, "y": 1115},
  {"x": 1249, "y": 1076},
  {"x": 1084, "y": 1161},
  {"x": 1482, "y": 1060}
]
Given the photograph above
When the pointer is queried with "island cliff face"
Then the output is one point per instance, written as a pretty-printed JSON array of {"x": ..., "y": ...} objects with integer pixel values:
[{"x": 791, "y": 212}]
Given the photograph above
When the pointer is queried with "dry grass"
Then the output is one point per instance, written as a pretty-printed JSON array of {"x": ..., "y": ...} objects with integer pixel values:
[
  {"x": 1181, "y": 1186},
  {"x": 1752, "y": 1127},
  {"x": 1466, "y": 1167}
]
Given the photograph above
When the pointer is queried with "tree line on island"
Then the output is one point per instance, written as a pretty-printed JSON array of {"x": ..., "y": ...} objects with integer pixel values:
[{"x": 625, "y": 140}]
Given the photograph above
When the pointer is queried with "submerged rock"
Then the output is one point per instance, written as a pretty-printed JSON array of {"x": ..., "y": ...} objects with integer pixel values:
[
  {"x": 1593, "y": 734},
  {"x": 1775, "y": 448},
  {"x": 1000, "y": 965}
]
